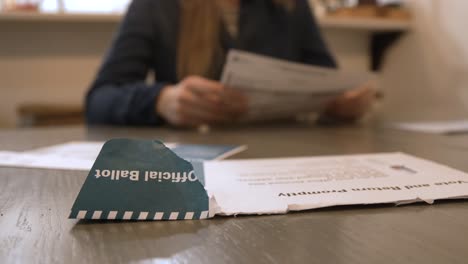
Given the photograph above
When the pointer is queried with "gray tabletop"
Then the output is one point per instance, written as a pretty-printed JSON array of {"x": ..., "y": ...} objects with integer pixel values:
[{"x": 34, "y": 206}]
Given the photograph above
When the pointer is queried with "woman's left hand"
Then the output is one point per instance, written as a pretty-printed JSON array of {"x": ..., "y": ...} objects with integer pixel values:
[{"x": 352, "y": 104}]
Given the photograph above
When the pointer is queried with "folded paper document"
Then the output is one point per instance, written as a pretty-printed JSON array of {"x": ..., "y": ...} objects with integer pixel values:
[
  {"x": 437, "y": 127},
  {"x": 144, "y": 180},
  {"x": 278, "y": 88},
  {"x": 272, "y": 186}
]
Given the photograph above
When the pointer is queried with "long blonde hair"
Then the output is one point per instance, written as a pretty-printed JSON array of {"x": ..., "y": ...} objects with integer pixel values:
[{"x": 199, "y": 41}]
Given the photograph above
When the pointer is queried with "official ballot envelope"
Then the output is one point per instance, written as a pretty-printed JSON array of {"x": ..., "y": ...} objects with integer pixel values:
[
  {"x": 278, "y": 88},
  {"x": 144, "y": 180},
  {"x": 140, "y": 180}
]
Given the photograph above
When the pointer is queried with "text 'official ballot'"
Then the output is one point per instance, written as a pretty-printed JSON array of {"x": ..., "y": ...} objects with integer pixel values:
[{"x": 140, "y": 180}]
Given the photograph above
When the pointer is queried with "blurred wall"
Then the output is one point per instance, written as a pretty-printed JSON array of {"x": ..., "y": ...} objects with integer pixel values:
[
  {"x": 426, "y": 73},
  {"x": 48, "y": 61}
]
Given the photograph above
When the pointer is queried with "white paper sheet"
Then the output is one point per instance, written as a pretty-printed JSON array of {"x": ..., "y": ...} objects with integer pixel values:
[
  {"x": 273, "y": 186},
  {"x": 42, "y": 161},
  {"x": 81, "y": 155},
  {"x": 443, "y": 127},
  {"x": 278, "y": 88}
]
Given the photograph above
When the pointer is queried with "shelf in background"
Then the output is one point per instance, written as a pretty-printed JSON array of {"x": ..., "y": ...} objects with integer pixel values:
[
  {"x": 59, "y": 17},
  {"x": 366, "y": 24}
]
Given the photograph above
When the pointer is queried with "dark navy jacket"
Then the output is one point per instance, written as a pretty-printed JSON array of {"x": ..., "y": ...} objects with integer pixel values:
[{"x": 147, "y": 41}]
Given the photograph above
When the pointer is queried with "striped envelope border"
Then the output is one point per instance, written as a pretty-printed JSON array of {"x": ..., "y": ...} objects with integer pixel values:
[{"x": 138, "y": 216}]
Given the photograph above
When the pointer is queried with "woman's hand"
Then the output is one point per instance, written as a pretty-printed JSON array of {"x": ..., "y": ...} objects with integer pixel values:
[
  {"x": 353, "y": 104},
  {"x": 199, "y": 101}
]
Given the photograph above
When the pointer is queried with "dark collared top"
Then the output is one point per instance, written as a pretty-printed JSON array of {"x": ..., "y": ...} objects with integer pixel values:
[{"x": 147, "y": 41}]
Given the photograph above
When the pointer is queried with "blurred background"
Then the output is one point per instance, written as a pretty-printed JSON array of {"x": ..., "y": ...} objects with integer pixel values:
[{"x": 50, "y": 51}]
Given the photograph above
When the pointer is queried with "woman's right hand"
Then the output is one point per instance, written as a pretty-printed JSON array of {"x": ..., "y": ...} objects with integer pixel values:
[{"x": 199, "y": 101}]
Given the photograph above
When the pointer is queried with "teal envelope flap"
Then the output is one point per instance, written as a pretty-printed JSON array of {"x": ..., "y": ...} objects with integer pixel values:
[{"x": 140, "y": 180}]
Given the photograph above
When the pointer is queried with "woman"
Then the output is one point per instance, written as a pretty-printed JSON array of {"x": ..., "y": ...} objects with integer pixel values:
[{"x": 185, "y": 42}]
